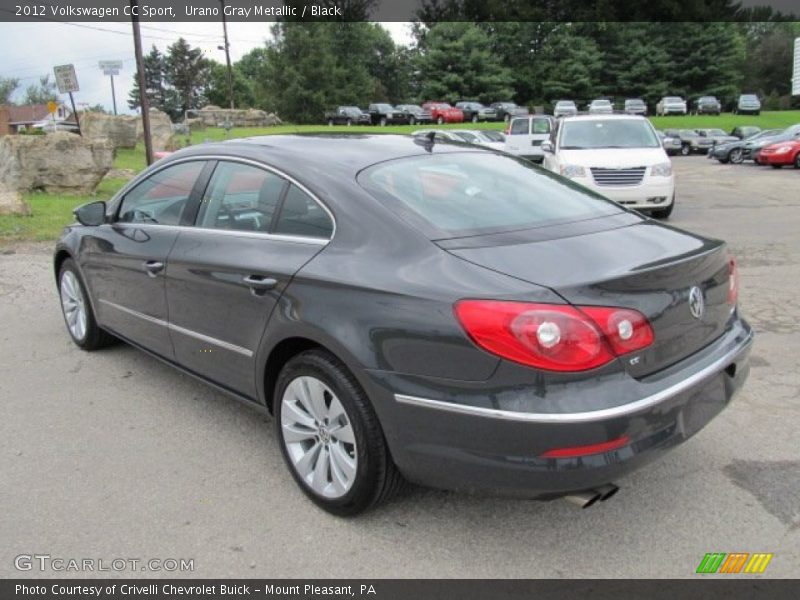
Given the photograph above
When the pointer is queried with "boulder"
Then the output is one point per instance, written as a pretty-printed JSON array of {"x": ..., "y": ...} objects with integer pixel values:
[
  {"x": 161, "y": 132},
  {"x": 214, "y": 116},
  {"x": 58, "y": 162},
  {"x": 11, "y": 203},
  {"x": 121, "y": 130}
]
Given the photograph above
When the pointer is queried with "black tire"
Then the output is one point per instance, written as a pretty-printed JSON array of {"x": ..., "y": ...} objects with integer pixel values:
[
  {"x": 330, "y": 122},
  {"x": 94, "y": 338},
  {"x": 736, "y": 156},
  {"x": 440, "y": 120},
  {"x": 349, "y": 122},
  {"x": 758, "y": 112},
  {"x": 506, "y": 117},
  {"x": 377, "y": 478},
  {"x": 412, "y": 121},
  {"x": 474, "y": 118},
  {"x": 383, "y": 121},
  {"x": 797, "y": 161},
  {"x": 686, "y": 150},
  {"x": 664, "y": 213},
  {"x": 776, "y": 166}
]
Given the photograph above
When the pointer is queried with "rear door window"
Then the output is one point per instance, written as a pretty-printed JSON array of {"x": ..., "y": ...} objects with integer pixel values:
[
  {"x": 303, "y": 216},
  {"x": 520, "y": 127}
]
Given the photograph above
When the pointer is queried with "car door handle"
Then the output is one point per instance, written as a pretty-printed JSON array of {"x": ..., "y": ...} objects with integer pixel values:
[
  {"x": 153, "y": 267},
  {"x": 259, "y": 283}
]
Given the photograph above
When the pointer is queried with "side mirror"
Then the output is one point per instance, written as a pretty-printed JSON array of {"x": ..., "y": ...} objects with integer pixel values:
[
  {"x": 547, "y": 147},
  {"x": 91, "y": 214}
]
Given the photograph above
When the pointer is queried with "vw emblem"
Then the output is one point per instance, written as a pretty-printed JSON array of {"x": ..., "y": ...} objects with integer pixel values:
[{"x": 696, "y": 302}]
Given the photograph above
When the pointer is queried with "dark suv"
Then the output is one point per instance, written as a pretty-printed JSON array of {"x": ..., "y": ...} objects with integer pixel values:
[
  {"x": 475, "y": 111},
  {"x": 707, "y": 105},
  {"x": 386, "y": 114}
]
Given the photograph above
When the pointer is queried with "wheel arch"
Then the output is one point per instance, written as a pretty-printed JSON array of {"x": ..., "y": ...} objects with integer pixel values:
[{"x": 58, "y": 259}]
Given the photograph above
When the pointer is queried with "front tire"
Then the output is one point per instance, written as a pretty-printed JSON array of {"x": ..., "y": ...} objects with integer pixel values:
[
  {"x": 440, "y": 120},
  {"x": 736, "y": 156},
  {"x": 77, "y": 310},
  {"x": 686, "y": 150},
  {"x": 330, "y": 436},
  {"x": 474, "y": 118},
  {"x": 797, "y": 161},
  {"x": 412, "y": 121},
  {"x": 383, "y": 121}
]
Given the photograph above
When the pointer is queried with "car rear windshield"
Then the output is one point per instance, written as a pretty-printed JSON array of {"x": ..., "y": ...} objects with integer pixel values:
[
  {"x": 749, "y": 98},
  {"x": 634, "y": 102},
  {"x": 458, "y": 194},
  {"x": 622, "y": 133}
]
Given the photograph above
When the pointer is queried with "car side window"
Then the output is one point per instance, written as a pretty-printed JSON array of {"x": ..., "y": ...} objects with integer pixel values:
[
  {"x": 541, "y": 126},
  {"x": 240, "y": 197},
  {"x": 160, "y": 198},
  {"x": 519, "y": 127},
  {"x": 302, "y": 215}
]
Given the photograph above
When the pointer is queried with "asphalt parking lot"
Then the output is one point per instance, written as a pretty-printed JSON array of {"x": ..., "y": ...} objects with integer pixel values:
[{"x": 114, "y": 455}]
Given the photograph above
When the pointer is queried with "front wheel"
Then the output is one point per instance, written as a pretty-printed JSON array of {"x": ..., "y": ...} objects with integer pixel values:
[
  {"x": 686, "y": 150},
  {"x": 412, "y": 121},
  {"x": 736, "y": 156},
  {"x": 797, "y": 161},
  {"x": 77, "y": 310},
  {"x": 349, "y": 122},
  {"x": 330, "y": 122},
  {"x": 474, "y": 118},
  {"x": 383, "y": 121},
  {"x": 440, "y": 120},
  {"x": 330, "y": 436}
]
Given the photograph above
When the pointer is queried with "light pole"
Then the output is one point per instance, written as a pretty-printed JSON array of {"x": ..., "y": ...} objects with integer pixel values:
[
  {"x": 227, "y": 49},
  {"x": 145, "y": 105}
]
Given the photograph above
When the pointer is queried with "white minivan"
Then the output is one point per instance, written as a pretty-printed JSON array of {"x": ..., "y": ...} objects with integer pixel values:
[
  {"x": 524, "y": 136},
  {"x": 618, "y": 156}
]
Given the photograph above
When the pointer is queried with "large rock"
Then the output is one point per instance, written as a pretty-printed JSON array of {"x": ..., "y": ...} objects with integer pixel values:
[
  {"x": 58, "y": 162},
  {"x": 11, "y": 203},
  {"x": 214, "y": 116},
  {"x": 161, "y": 132},
  {"x": 121, "y": 130}
]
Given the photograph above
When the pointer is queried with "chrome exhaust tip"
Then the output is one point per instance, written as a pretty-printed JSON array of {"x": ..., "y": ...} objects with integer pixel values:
[
  {"x": 606, "y": 491},
  {"x": 583, "y": 499}
]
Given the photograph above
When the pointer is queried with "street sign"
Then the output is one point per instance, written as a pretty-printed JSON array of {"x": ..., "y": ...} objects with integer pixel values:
[
  {"x": 114, "y": 65},
  {"x": 111, "y": 72},
  {"x": 52, "y": 107},
  {"x": 66, "y": 79}
]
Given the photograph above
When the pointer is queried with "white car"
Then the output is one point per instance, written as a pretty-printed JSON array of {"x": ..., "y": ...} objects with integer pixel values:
[
  {"x": 617, "y": 156},
  {"x": 525, "y": 135},
  {"x": 671, "y": 105}
]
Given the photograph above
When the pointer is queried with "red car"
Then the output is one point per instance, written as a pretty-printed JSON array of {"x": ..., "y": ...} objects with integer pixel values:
[
  {"x": 780, "y": 154},
  {"x": 442, "y": 112}
]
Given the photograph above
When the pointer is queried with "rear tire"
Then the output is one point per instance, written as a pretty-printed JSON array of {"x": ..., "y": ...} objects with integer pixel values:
[
  {"x": 352, "y": 469},
  {"x": 77, "y": 310}
]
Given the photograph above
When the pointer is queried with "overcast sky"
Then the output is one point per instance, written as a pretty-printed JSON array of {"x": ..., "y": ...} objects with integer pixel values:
[{"x": 29, "y": 50}]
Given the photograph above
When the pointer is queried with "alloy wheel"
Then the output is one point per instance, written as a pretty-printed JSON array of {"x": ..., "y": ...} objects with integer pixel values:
[
  {"x": 318, "y": 436},
  {"x": 73, "y": 305},
  {"x": 736, "y": 156}
]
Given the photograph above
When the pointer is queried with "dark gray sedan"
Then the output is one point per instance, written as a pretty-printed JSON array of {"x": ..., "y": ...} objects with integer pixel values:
[{"x": 417, "y": 310}]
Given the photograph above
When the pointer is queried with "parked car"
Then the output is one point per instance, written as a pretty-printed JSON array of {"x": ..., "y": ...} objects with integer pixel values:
[
  {"x": 748, "y": 104},
  {"x": 671, "y": 143},
  {"x": 718, "y": 136},
  {"x": 475, "y": 111},
  {"x": 381, "y": 315},
  {"x": 752, "y": 147},
  {"x": 524, "y": 136},
  {"x": 416, "y": 114},
  {"x": 618, "y": 156},
  {"x": 745, "y": 131},
  {"x": 347, "y": 115},
  {"x": 635, "y": 106},
  {"x": 477, "y": 137},
  {"x": 506, "y": 110},
  {"x": 691, "y": 141},
  {"x": 601, "y": 106},
  {"x": 671, "y": 105},
  {"x": 707, "y": 105},
  {"x": 386, "y": 114},
  {"x": 734, "y": 151},
  {"x": 781, "y": 154},
  {"x": 442, "y": 112},
  {"x": 565, "y": 108}
]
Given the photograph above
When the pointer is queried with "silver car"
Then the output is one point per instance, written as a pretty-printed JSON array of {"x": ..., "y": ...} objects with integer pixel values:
[
  {"x": 671, "y": 105},
  {"x": 601, "y": 106},
  {"x": 565, "y": 108},
  {"x": 748, "y": 104},
  {"x": 635, "y": 106}
]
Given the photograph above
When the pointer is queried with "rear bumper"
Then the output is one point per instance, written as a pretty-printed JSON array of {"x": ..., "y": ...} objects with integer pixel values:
[{"x": 446, "y": 439}]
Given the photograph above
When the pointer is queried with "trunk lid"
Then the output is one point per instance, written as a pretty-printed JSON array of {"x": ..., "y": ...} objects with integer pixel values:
[{"x": 645, "y": 266}]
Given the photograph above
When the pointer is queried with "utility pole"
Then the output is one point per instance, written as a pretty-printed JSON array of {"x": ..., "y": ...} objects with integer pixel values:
[
  {"x": 227, "y": 54},
  {"x": 143, "y": 102}
]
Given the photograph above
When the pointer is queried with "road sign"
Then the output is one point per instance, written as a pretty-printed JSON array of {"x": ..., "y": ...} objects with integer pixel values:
[
  {"x": 111, "y": 72},
  {"x": 52, "y": 107},
  {"x": 110, "y": 64},
  {"x": 66, "y": 79}
]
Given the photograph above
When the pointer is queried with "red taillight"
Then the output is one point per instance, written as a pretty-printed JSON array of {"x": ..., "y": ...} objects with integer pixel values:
[
  {"x": 573, "y": 451},
  {"x": 733, "y": 281},
  {"x": 554, "y": 337}
]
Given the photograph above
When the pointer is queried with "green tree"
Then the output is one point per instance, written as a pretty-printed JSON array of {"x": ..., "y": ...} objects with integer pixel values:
[
  {"x": 455, "y": 62},
  {"x": 155, "y": 87},
  {"x": 8, "y": 86},
  {"x": 217, "y": 88},
  {"x": 569, "y": 66},
  {"x": 253, "y": 69},
  {"x": 768, "y": 67},
  {"x": 42, "y": 92},
  {"x": 186, "y": 74}
]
